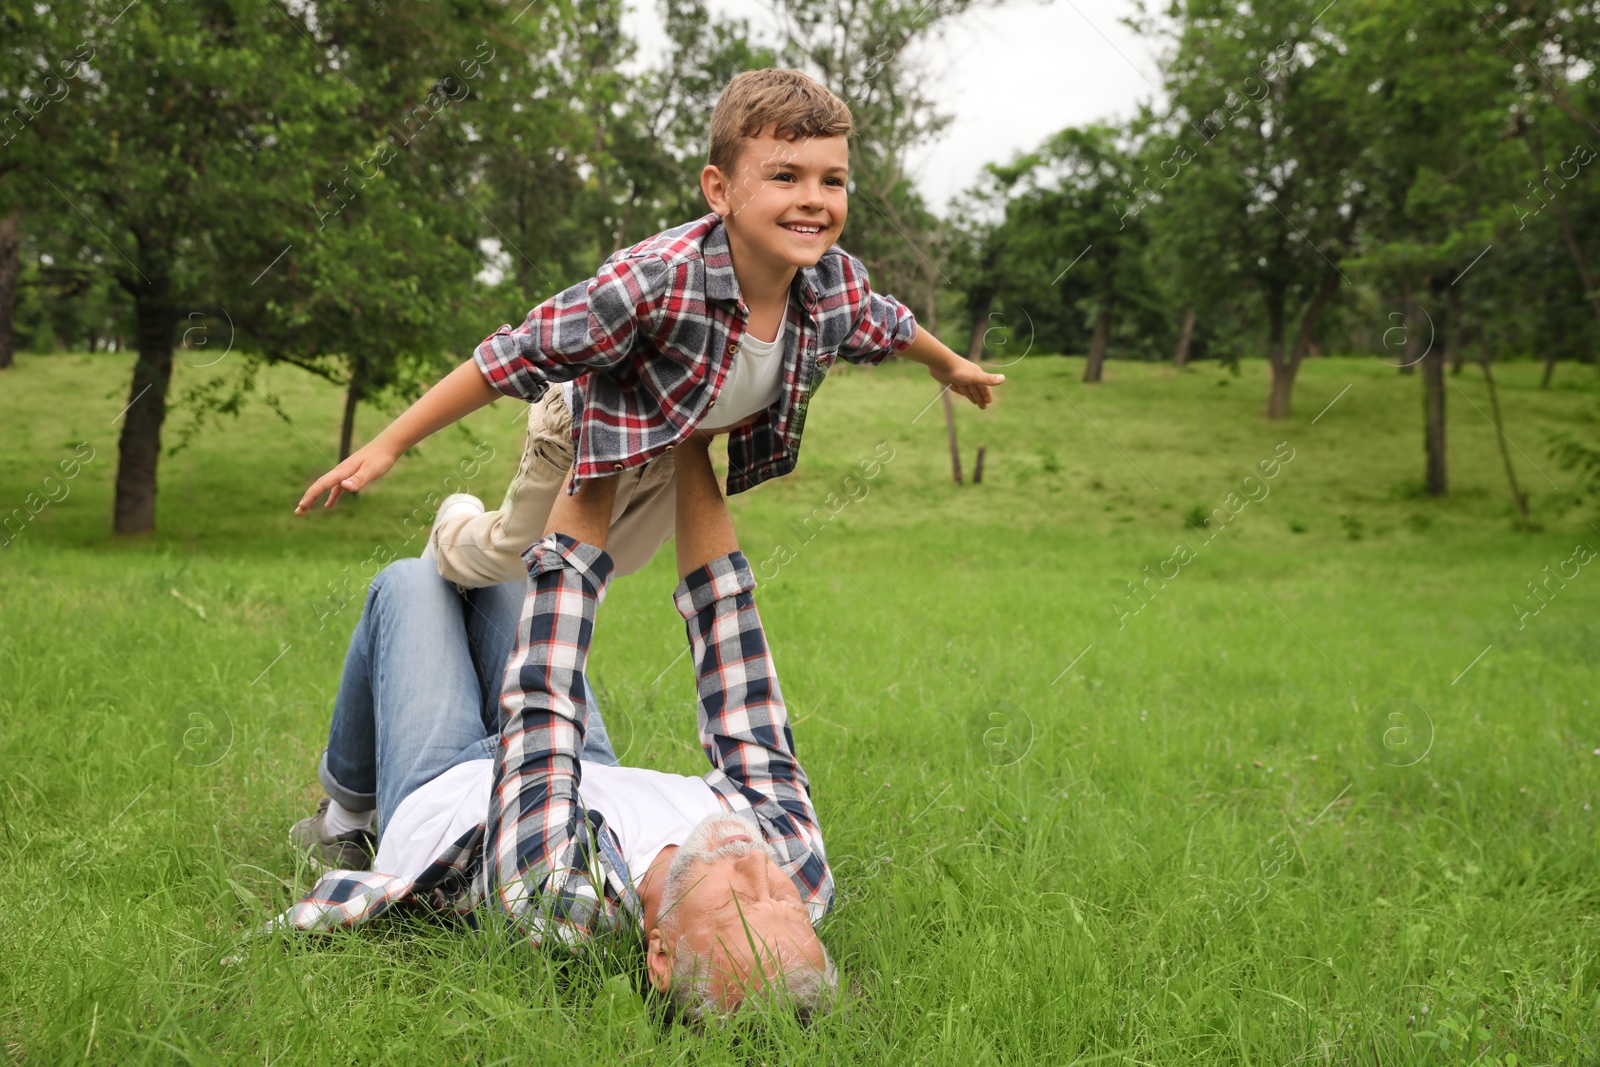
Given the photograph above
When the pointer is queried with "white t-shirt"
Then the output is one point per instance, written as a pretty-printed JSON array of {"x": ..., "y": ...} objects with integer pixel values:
[
  {"x": 647, "y": 810},
  {"x": 752, "y": 384}
]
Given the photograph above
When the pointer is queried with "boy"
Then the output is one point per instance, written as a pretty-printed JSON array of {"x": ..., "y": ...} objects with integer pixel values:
[{"x": 725, "y": 324}]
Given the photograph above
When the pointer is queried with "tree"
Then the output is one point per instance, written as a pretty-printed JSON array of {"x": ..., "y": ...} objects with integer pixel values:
[
  {"x": 1437, "y": 170},
  {"x": 979, "y": 252},
  {"x": 380, "y": 286},
  {"x": 146, "y": 157},
  {"x": 379, "y": 296},
  {"x": 41, "y": 63},
  {"x": 1072, "y": 250},
  {"x": 1572, "y": 204},
  {"x": 1265, "y": 172},
  {"x": 191, "y": 170}
]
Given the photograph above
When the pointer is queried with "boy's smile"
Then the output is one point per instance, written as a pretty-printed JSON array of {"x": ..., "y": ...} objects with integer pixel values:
[{"x": 785, "y": 203}]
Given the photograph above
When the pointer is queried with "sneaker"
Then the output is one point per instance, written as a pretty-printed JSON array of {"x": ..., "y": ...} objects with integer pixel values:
[
  {"x": 450, "y": 506},
  {"x": 350, "y": 851}
]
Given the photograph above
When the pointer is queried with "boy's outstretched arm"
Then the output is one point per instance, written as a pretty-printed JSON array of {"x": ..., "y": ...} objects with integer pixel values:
[
  {"x": 963, "y": 376},
  {"x": 460, "y": 393}
]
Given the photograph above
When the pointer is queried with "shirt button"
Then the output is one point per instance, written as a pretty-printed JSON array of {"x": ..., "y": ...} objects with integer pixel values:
[
  {"x": 733, "y": 348},
  {"x": 616, "y": 466}
]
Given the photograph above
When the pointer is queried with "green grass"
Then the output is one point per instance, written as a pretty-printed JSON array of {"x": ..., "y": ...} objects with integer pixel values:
[{"x": 1194, "y": 836}]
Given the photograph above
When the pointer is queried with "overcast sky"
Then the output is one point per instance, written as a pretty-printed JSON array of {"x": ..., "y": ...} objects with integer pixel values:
[{"x": 1009, "y": 77}]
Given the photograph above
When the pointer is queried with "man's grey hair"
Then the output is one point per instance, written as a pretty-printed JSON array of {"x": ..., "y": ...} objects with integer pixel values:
[{"x": 808, "y": 991}]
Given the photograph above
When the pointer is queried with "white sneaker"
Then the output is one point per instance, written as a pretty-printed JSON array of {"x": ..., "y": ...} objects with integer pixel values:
[{"x": 452, "y": 505}]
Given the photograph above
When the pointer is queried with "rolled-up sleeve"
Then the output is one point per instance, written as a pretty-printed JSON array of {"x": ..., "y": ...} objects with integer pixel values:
[
  {"x": 744, "y": 723},
  {"x": 590, "y": 326},
  {"x": 541, "y": 865},
  {"x": 882, "y": 325}
]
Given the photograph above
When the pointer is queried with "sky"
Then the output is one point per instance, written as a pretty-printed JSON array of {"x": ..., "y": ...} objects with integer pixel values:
[{"x": 1009, "y": 77}]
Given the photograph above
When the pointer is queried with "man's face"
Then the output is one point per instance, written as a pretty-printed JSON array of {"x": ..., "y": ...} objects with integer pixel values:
[
  {"x": 731, "y": 904},
  {"x": 785, "y": 201}
]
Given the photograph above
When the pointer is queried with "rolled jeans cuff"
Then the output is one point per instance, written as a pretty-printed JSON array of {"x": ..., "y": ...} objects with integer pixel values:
[{"x": 348, "y": 799}]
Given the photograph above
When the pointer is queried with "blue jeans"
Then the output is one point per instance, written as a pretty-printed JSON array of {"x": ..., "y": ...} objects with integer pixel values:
[{"x": 420, "y": 691}]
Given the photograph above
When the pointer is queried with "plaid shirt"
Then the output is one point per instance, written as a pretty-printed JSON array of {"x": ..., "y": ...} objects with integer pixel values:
[
  {"x": 541, "y": 856},
  {"x": 661, "y": 324}
]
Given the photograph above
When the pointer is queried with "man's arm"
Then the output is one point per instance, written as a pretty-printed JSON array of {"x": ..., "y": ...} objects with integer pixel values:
[
  {"x": 744, "y": 724},
  {"x": 542, "y": 853}
]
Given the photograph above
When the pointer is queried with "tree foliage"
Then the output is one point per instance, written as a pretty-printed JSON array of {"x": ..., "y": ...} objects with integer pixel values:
[{"x": 366, "y": 190}]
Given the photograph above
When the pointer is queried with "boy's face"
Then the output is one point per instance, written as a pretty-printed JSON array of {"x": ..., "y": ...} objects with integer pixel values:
[{"x": 785, "y": 202}]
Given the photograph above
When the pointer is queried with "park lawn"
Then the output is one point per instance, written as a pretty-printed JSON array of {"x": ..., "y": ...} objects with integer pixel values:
[{"x": 1320, "y": 795}]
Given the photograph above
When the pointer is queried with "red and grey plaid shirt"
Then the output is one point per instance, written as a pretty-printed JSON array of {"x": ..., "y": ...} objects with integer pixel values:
[
  {"x": 542, "y": 856},
  {"x": 659, "y": 327}
]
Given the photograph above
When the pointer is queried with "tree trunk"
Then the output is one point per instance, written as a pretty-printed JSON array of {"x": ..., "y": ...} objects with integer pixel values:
[
  {"x": 980, "y": 319},
  {"x": 1436, "y": 476},
  {"x": 1098, "y": 343},
  {"x": 1408, "y": 362},
  {"x": 1590, "y": 289},
  {"x": 139, "y": 448},
  {"x": 1282, "y": 390},
  {"x": 353, "y": 395},
  {"x": 1518, "y": 497},
  {"x": 10, "y": 243},
  {"x": 950, "y": 430},
  {"x": 1282, "y": 370},
  {"x": 1552, "y": 353},
  {"x": 1185, "y": 335}
]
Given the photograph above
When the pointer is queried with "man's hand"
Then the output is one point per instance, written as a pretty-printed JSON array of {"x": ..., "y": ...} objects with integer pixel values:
[
  {"x": 960, "y": 375},
  {"x": 363, "y": 467}
]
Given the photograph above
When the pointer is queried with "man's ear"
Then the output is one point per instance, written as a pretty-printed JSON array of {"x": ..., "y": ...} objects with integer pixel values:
[
  {"x": 658, "y": 960},
  {"x": 717, "y": 189}
]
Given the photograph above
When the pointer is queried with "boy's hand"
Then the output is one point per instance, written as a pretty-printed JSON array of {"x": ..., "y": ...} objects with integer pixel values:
[
  {"x": 363, "y": 467},
  {"x": 960, "y": 375},
  {"x": 968, "y": 379},
  {"x": 460, "y": 393}
]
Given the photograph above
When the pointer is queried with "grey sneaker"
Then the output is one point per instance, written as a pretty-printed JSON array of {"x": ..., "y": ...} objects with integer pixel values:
[{"x": 350, "y": 851}]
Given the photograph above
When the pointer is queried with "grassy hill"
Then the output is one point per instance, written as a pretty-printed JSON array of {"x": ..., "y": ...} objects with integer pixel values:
[{"x": 1101, "y": 781}]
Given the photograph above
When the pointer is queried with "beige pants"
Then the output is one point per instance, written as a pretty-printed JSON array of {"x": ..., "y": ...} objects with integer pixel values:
[{"x": 481, "y": 550}]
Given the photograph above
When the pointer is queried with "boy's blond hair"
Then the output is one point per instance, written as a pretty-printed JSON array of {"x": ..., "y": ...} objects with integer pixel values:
[{"x": 794, "y": 104}]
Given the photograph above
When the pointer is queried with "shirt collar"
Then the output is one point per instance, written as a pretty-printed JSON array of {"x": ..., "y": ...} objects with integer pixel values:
[{"x": 722, "y": 284}]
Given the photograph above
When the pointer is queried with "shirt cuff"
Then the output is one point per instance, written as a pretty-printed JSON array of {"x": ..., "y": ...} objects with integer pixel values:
[
  {"x": 505, "y": 370},
  {"x": 905, "y": 331},
  {"x": 558, "y": 551},
  {"x": 725, "y": 576}
]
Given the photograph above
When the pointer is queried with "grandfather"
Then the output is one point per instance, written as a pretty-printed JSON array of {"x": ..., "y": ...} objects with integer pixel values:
[{"x": 723, "y": 876}]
